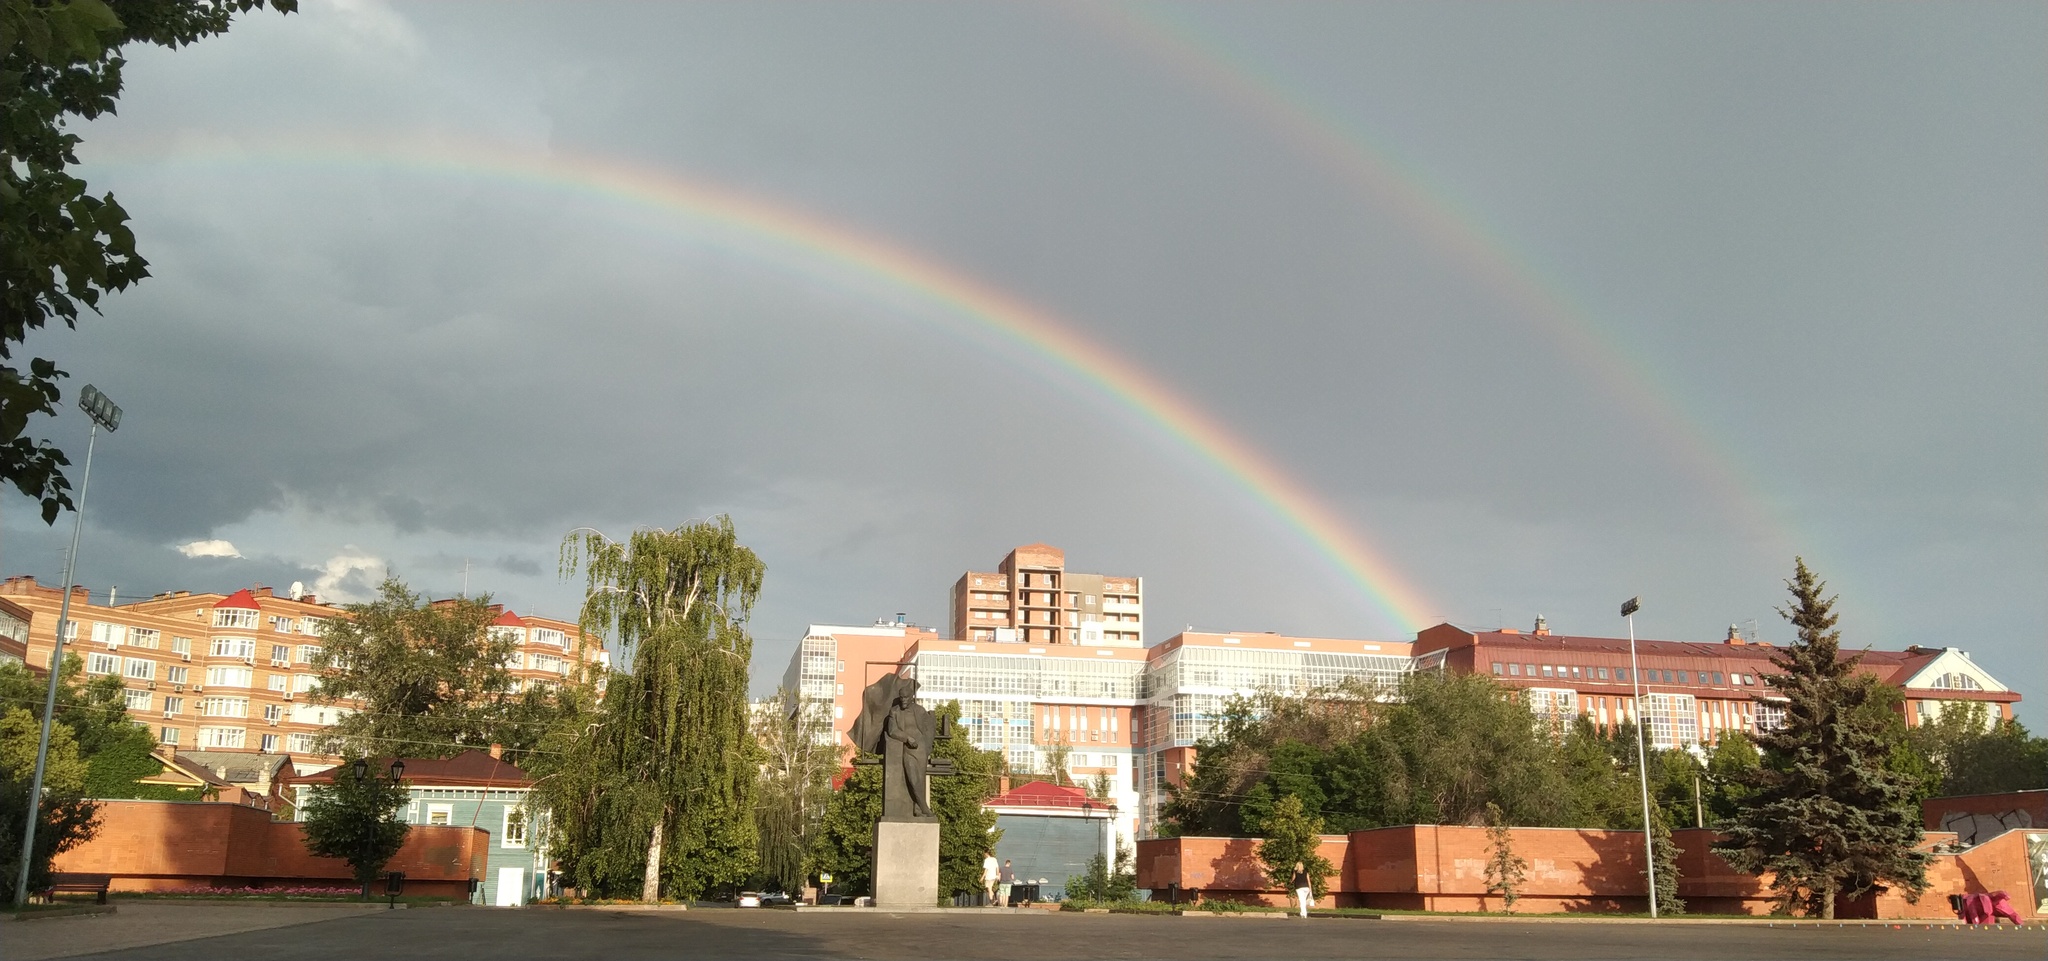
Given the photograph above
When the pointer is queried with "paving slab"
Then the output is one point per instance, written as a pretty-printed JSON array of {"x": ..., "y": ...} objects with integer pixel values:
[
  {"x": 143, "y": 924},
  {"x": 595, "y": 935}
]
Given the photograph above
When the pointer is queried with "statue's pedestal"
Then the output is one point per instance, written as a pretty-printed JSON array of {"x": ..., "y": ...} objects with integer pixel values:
[{"x": 906, "y": 864}]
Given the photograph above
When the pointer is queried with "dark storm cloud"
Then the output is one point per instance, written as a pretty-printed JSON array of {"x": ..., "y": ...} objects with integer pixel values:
[{"x": 1813, "y": 230}]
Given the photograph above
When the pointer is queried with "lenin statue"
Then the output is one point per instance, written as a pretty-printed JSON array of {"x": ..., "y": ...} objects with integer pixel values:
[{"x": 893, "y": 725}]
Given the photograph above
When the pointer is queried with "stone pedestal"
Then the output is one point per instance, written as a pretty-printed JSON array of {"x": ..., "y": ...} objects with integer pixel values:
[{"x": 906, "y": 863}]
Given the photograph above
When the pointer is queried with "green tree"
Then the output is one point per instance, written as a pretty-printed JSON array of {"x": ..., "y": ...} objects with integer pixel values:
[
  {"x": 662, "y": 787},
  {"x": 1828, "y": 818},
  {"x": 61, "y": 248},
  {"x": 1665, "y": 854},
  {"x": 1291, "y": 835},
  {"x": 1107, "y": 881},
  {"x": 66, "y": 817},
  {"x": 118, "y": 752},
  {"x": 967, "y": 828},
  {"x": 431, "y": 678},
  {"x": 845, "y": 843},
  {"x": 800, "y": 753},
  {"x": 2005, "y": 759},
  {"x": 1731, "y": 767},
  {"x": 1505, "y": 870},
  {"x": 356, "y": 819}
]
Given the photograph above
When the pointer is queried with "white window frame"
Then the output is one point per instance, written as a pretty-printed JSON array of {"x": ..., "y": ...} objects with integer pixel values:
[
  {"x": 225, "y": 737},
  {"x": 244, "y": 618},
  {"x": 166, "y": 735},
  {"x": 134, "y": 700},
  {"x": 226, "y": 675},
  {"x": 505, "y": 839},
  {"x": 100, "y": 663},
  {"x": 446, "y": 811},
  {"x": 181, "y": 645},
  {"x": 139, "y": 668},
  {"x": 234, "y": 647}
]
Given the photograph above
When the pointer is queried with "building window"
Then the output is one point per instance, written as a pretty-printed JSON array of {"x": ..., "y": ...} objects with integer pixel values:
[
  {"x": 1529, "y": 669},
  {"x": 177, "y": 675},
  {"x": 97, "y": 663},
  {"x": 234, "y": 617},
  {"x": 1546, "y": 670},
  {"x": 230, "y": 676},
  {"x": 1601, "y": 672},
  {"x": 273, "y": 712},
  {"x": 269, "y": 743},
  {"x": 515, "y": 828},
  {"x": 224, "y": 707},
  {"x": 173, "y": 705},
  {"x": 549, "y": 636},
  {"x": 143, "y": 637},
  {"x": 303, "y": 683},
  {"x": 234, "y": 647},
  {"x": 300, "y": 743},
  {"x": 110, "y": 635},
  {"x": 166, "y": 735},
  {"x": 277, "y": 682},
  {"x": 136, "y": 701},
  {"x": 282, "y": 625},
  {"x": 1514, "y": 670},
  {"x": 1717, "y": 678},
  {"x": 312, "y": 626},
  {"x": 234, "y": 737},
  {"x": 280, "y": 655},
  {"x": 1575, "y": 674},
  {"x": 306, "y": 652},
  {"x": 440, "y": 813},
  {"x": 140, "y": 668},
  {"x": 1496, "y": 667},
  {"x": 181, "y": 645}
]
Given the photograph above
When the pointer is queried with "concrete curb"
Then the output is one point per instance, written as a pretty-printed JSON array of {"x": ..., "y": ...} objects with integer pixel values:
[
  {"x": 935, "y": 909},
  {"x": 272, "y": 903},
  {"x": 641, "y": 908},
  {"x": 1765, "y": 922},
  {"x": 67, "y": 911}
]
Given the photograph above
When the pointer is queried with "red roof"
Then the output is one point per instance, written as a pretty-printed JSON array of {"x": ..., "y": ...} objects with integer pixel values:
[
  {"x": 472, "y": 768},
  {"x": 507, "y": 619},
  {"x": 1045, "y": 794},
  {"x": 240, "y": 599}
]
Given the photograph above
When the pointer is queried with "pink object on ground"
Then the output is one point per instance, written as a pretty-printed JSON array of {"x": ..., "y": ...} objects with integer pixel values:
[
  {"x": 1976, "y": 909},
  {"x": 2001, "y": 907}
]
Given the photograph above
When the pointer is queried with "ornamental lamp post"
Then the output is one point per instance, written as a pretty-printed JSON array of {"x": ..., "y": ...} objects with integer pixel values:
[
  {"x": 103, "y": 413},
  {"x": 361, "y": 770},
  {"x": 1635, "y": 676}
]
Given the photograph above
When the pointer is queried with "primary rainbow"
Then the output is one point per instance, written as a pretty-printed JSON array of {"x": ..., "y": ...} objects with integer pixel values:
[
  {"x": 815, "y": 242},
  {"x": 1461, "y": 234}
]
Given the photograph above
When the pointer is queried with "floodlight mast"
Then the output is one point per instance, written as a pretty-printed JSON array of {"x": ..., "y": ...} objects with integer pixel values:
[
  {"x": 1635, "y": 676},
  {"x": 103, "y": 413}
]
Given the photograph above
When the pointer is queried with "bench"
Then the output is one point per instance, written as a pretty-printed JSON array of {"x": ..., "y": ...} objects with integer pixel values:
[{"x": 70, "y": 883}]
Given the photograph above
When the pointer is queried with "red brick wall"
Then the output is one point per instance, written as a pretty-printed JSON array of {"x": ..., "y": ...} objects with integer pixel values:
[
  {"x": 162, "y": 845},
  {"x": 2033, "y": 805}
]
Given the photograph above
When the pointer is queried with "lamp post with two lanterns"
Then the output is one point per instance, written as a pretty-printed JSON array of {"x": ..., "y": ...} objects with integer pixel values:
[{"x": 373, "y": 813}]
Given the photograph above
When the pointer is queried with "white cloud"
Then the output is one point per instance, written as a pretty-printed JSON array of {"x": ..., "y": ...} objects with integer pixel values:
[
  {"x": 213, "y": 548},
  {"x": 348, "y": 577}
]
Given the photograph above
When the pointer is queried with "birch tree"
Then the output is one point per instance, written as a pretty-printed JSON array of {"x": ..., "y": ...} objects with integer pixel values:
[{"x": 664, "y": 781}]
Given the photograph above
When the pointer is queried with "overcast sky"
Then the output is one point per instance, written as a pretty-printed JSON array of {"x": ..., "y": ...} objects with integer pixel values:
[{"x": 1547, "y": 305}]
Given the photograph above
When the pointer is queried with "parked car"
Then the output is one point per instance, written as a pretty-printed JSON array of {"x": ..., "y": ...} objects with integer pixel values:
[{"x": 748, "y": 899}]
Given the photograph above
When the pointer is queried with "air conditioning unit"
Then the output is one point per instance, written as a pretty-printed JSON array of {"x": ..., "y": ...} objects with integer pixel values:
[
  {"x": 196, "y": 688},
  {"x": 178, "y": 687},
  {"x": 186, "y": 657},
  {"x": 272, "y": 720},
  {"x": 250, "y": 660},
  {"x": 287, "y": 696},
  {"x": 166, "y": 714},
  {"x": 152, "y": 686}
]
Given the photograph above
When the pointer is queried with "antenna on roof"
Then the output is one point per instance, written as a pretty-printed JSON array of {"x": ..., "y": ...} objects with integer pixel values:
[{"x": 298, "y": 590}]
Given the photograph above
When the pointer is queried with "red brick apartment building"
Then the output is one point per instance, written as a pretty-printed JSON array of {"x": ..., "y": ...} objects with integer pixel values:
[
  {"x": 230, "y": 672},
  {"x": 1031, "y": 598},
  {"x": 1692, "y": 692}
]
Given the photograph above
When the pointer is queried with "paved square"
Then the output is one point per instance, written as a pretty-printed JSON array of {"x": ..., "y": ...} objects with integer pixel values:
[{"x": 213, "y": 932}]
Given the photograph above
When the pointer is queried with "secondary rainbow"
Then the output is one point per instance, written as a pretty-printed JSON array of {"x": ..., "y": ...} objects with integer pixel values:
[
  {"x": 1460, "y": 233},
  {"x": 814, "y": 242}
]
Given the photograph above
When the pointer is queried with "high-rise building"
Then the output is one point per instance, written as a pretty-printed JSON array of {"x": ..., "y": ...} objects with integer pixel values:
[
  {"x": 1031, "y": 598},
  {"x": 231, "y": 672}
]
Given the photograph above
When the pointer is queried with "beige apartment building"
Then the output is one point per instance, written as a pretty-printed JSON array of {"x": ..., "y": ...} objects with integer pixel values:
[
  {"x": 231, "y": 672},
  {"x": 1031, "y": 598}
]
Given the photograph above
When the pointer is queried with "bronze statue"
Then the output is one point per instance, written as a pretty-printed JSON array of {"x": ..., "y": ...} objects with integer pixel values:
[{"x": 893, "y": 725}]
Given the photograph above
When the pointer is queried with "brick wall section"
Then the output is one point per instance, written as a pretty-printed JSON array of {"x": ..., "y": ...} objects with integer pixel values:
[
  {"x": 162, "y": 845},
  {"x": 2034, "y": 804},
  {"x": 1443, "y": 868}
]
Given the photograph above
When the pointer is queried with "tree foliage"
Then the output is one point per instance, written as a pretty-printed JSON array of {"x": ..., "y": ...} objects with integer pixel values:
[
  {"x": 800, "y": 752},
  {"x": 66, "y": 817},
  {"x": 657, "y": 795},
  {"x": 1828, "y": 818},
  {"x": 1291, "y": 835},
  {"x": 1970, "y": 753},
  {"x": 356, "y": 819},
  {"x": 430, "y": 679},
  {"x": 1105, "y": 880},
  {"x": 1505, "y": 870},
  {"x": 118, "y": 752},
  {"x": 61, "y": 248}
]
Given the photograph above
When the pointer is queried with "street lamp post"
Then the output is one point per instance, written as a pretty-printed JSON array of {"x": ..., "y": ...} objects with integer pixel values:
[
  {"x": 103, "y": 414},
  {"x": 1635, "y": 676}
]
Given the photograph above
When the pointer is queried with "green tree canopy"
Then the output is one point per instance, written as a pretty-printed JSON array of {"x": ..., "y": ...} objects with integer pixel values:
[
  {"x": 657, "y": 794},
  {"x": 61, "y": 248},
  {"x": 800, "y": 753},
  {"x": 431, "y": 679},
  {"x": 1292, "y": 834},
  {"x": 118, "y": 752},
  {"x": 356, "y": 819},
  {"x": 67, "y": 818},
  {"x": 1828, "y": 816}
]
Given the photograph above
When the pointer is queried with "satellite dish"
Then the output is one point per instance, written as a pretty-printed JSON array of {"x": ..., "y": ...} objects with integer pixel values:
[{"x": 298, "y": 590}]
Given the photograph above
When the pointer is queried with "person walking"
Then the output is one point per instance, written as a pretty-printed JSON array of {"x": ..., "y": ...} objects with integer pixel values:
[
  {"x": 1007, "y": 877},
  {"x": 988, "y": 878},
  {"x": 1303, "y": 893}
]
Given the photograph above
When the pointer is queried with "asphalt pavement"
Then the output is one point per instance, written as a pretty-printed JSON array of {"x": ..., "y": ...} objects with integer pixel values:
[{"x": 210, "y": 933}]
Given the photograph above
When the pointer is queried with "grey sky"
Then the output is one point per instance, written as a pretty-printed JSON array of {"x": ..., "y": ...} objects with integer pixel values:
[{"x": 1814, "y": 233}]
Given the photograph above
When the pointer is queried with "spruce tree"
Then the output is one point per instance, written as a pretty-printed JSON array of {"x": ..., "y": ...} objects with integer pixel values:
[{"x": 1826, "y": 817}]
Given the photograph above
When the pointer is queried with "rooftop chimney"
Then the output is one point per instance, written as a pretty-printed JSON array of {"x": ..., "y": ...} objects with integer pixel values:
[
  {"x": 497, "y": 753},
  {"x": 1542, "y": 627},
  {"x": 1735, "y": 635}
]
